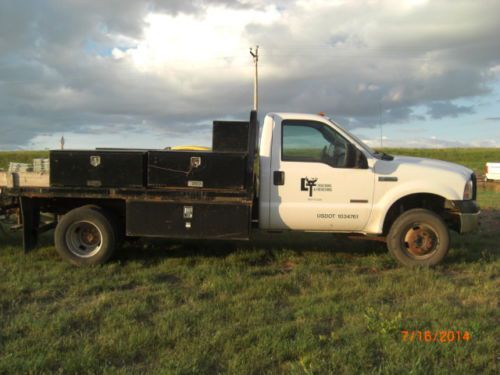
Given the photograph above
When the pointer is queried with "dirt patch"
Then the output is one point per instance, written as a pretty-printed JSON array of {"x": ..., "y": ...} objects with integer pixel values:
[
  {"x": 288, "y": 266},
  {"x": 490, "y": 220},
  {"x": 489, "y": 186}
]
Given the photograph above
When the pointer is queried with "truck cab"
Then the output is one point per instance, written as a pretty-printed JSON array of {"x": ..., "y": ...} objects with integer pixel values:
[{"x": 316, "y": 176}]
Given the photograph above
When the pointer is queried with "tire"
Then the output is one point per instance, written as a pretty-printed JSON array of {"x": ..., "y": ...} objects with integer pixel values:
[
  {"x": 86, "y": 236},
  {"x": 418, "y": 237}
]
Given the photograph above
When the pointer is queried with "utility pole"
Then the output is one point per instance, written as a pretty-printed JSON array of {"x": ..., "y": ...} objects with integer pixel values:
[{"x": 255, "y": 55}]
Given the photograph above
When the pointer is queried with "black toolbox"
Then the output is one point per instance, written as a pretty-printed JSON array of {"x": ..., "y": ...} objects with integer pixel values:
[
  {"x": 188, "y": 220},
  {"x": 197, "y": 169},
  {"x": 230, "y": 136},
  {"x": 97, "y": 168}
]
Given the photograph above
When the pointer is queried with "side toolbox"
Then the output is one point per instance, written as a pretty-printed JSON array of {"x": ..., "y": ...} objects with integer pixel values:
[
  {"x": 212, "y": 170},
  {"x": 189, "y": 220},
  {"x": 230, "y": 136},
  {"x": 97, "y": 168}
]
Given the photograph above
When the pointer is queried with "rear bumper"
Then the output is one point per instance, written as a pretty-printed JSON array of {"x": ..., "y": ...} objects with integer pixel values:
[{"x": 465, "y": 216}]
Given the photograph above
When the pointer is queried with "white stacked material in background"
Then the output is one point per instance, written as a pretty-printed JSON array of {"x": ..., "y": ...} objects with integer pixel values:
[
  {"x": 26, "y": 175},
  {"x": 492, "y": 171},
  {"x": 19, "y": 167},
  {"x": 41, "y": 165}
]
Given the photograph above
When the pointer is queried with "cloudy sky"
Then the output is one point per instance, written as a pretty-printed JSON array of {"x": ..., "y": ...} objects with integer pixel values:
[{"x": 129, "y": 73}]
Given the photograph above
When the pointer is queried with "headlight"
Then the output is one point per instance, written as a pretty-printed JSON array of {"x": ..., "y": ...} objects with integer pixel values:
[{"x": 468, "y": 191}]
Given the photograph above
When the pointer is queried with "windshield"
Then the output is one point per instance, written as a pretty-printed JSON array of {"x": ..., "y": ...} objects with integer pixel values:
[{"x": 367, "y": 148}]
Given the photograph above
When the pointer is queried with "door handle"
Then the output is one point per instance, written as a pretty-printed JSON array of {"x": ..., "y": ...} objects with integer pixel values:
[{"x": 279, "y": 178}]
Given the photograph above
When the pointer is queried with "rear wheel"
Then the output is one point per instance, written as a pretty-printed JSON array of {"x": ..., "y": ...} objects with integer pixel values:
[
  {"x": 418, "y": 237},
  {"x": 86, "y": 236}
]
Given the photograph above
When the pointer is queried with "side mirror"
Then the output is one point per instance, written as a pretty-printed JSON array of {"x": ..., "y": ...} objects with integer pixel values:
[{"x": 355, "y": 158}]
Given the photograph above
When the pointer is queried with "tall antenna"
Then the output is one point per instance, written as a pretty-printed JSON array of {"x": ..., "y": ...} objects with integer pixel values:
[
  {"x": 255, "y": 55},
  {"x": 380, "y": 124}
]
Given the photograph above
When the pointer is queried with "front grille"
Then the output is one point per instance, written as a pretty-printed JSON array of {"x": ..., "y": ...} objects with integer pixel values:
[{"x": 474, "y": 186}]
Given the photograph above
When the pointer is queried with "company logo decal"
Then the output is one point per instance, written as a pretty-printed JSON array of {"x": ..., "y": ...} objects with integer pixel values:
[{"x": 310, "y": 185}]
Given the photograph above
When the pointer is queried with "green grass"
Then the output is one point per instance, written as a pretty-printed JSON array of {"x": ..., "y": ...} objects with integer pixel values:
[
  {"x": 291, "y": 304},
  {"x": 489, "y": 199}
]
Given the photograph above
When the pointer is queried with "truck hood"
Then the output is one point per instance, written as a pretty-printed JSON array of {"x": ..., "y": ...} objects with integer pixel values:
[
  {"x": 410, "y": 175},
  {"x": 434, "y": 164}
]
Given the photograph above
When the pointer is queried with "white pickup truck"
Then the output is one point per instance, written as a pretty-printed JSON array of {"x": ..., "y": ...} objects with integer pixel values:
[{"x": 295, "y": 172}]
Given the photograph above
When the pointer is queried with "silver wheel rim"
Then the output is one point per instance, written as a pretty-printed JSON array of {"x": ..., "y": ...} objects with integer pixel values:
[{"x": 84, "y": 239}]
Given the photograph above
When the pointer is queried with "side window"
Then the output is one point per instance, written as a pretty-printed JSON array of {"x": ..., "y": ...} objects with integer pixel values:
[{"x": 310, "y": 141}]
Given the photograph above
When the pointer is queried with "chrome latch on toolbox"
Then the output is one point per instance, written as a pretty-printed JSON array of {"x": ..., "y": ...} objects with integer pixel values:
[
  {"x": 188, "y": 212},
  {"x": 195, "y": 161}
]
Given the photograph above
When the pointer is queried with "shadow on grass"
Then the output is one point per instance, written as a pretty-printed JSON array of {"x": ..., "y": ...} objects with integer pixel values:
[
  {"x": 11, "y": 239},
  {"x": 152, "y": 251}
]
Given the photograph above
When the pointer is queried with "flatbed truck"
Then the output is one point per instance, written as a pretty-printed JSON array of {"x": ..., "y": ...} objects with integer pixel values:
[{"x": 293, "y": 172}]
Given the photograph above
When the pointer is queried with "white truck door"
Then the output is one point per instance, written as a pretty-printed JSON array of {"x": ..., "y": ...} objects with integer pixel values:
[{"x": 312, "y": 186}]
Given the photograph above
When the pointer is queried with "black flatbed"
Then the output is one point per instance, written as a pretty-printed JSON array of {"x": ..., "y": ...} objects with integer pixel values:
[{"x": 154, "y": 193}]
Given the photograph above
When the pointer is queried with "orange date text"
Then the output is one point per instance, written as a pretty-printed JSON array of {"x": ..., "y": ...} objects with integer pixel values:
[{"x": 442, "y": 336}]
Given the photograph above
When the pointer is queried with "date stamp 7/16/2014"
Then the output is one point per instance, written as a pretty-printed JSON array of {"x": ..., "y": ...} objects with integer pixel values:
[{"x": 439, "y": 336}]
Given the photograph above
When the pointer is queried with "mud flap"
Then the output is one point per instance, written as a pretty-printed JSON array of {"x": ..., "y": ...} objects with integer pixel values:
[{"x": 30, "y": 216}]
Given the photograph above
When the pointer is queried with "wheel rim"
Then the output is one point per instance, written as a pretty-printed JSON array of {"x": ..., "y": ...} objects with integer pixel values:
[
  {"x": 84, "y": 239},
  {"x": 421, "y": 240}
]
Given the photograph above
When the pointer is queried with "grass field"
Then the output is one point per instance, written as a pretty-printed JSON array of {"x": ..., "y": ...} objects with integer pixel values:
[
  {"x": 473, "y": 158},
  {"x": 294, "y": 304}
]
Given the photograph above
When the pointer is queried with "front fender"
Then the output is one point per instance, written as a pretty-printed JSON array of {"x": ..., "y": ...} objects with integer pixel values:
[{"x": 387, "y": 198}]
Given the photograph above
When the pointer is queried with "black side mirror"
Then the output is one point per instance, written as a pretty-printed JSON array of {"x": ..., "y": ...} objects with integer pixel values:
[{"x": 355, "y": 158}]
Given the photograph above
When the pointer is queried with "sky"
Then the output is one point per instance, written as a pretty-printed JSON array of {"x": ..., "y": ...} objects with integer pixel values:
[{"x": 151, "y": 74}]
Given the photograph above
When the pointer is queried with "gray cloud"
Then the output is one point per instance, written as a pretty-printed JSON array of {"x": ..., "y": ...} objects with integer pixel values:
[
  {"x": 438, "y": 110},
  {"x": 361, "y": 63}
]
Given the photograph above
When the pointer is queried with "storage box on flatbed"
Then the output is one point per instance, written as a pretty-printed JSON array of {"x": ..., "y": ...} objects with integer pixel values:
[
  {"x": 230, "y": 136},
  {"x": 198, "y": 169},
  {"x": 97, "y": 168},
  {"x": 225, "y": 167}
]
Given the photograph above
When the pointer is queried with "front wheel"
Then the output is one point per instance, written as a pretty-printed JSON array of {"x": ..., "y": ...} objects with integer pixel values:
[
  {"x": 85, "y": 236},
  {"x": 418, "y": 237}
]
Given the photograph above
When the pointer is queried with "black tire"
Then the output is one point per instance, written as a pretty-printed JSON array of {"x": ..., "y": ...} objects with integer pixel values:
[
  {"x": 86, "y": 236},
  {"x": 418, "y": 237}
]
